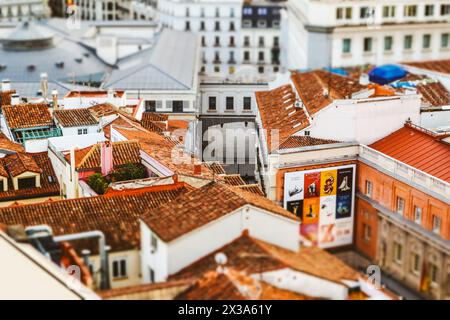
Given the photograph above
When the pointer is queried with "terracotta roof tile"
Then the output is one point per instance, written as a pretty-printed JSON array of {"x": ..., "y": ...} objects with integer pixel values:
[
  {"x": 5, "y": 97},
  {"x": 418, "y": 148},
  {"x": 153, "y": 116},
  {"x": 234, "y": 285},
  {"x": 103, "y": 109},
  {"x": 303, "y": 141},
  {"x": 27, "y": 116},
  {"x": 75, "y": 117},
  {"x": 311, "y": 87},
  {"x": 8, "y": 145},
  {"x": 434, "y": 94},
  {"x": 124, "y": 152},
  {"x": 137, "y": 290},
  {"x": 202, "y": 206},
  {"x": 253, "y": 188},
  {"x": 252, "y": 256},
  {"x": 117, "y": 216},
  {"x": 278, "y": 112},
  {"x": 215, "y": 167},
  {"x": 233, "y": 180},
  {"x": 49, "y": 183},
  {"x": 442, "y": 66},
  {"x": 18, "y": 163}
]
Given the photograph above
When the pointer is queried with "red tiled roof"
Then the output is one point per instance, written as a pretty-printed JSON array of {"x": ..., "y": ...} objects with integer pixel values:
[
  {"x": 93, "y": 94},
  {"x": 103, "y": 109},
  {"x": 117, "y": 216},
  {"x": 278, "y": 112},
  {"x": 216, "y": 167},
  {"x": 434, "y": 94},
  {"x": 49, "y": 183},
  {"x": 233, "y": 180},
  {"x": 254, "y": 256},
  {"x": 202, "y": 206},
  {"x": 8, "y": 145},
  {"x": 442, "y": 66},
  {"x": 303, "y": 141},
  {"x": 311, "y": 87},
  {"x": 124, "y": 152},
  {"x": 253, "y": 188},
  {"x": 27, "y": 116},
  {"x": 234, "y": 285},
  {"x": 419, "y": 149},
  {"x": 141, "y": 290},
  {"x": 18, "y": 163},
  {"x": 5, "y": 97},
  {"x": 162, "y": 149},
  {"x": 75, "y": 117}
]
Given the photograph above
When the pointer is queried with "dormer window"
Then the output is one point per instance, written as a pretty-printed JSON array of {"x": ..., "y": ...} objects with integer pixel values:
[{"x": 26, "y": 183}]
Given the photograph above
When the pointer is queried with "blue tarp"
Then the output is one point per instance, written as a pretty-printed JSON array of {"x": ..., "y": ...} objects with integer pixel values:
[
  {"x": 386, "y": 74},
  {"x": 338, "y": 71}
]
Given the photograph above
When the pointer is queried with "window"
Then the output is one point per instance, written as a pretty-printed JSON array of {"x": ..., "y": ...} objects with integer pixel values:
[
  {"x": 154, "y": 243},
  {"x": 27, "y": 183},
  {"x": 364, "y": 12},
  {"x": 119, "y": 268},
  {"x": 368, "y": 190},
  {"x": 82, "y": 131},
  {"x": 340, "y": 13},
  {"x": 229, "y": 103},
  {"x": 408, "y": 41},
  {"x": 247, "y": 11},
  {"x": 367, "y": 44},
  {"x": 415, "y": 264},
  {"x": 1, "y": 185},
  {"x": 261, "y": 69},
  {"x": 398, "y": 257},
  {"x": 232, "y": 26},
  {"x": 151, "y": 274},
  {"x": 232, "y": 12},
  {"x": 231, "y": 44},
  {"x": 388, "y": 42},
  {"x": 217, "y": 41},
  {"x": 262, "y": 11},
  {"x": 188, "y": 26},
  {"x": 410, "y": 11},
  {"x": 246, "y": 56},
  {"x": 177, "y": 106},
  {"x": 150, "y": 106},
  {"x": 216, "y": 57},
  {"x": 217, "y": 26},
  {"x": 261, "y": 56},
  {"x": 344, "y": 13},
  {"x": 217, "y": 12},
  {"x": 429, "y": 10},
  {"x": 388, "y": 11},
  {"x": 445, "y": 9},
  {"x": 367, "y": 232},
  {"x": 231, "y": 60},
  {"x": 261, "y": 41},
  {"x": 434, "y": 273},
  {"x": 346, "y": 45},
  {"x": 247, "y": 103},
  {"x": 262, "y": 23},
  {"x": 202, "y": 25},
  {"x": 444, "y": 40},
  {"x": 348, "y": 13},
  {"x": 203, "y": 41},
  {"x": 400, "y": 206},
  {"x": 246, "y": 41},
  {"x": 417, "y": 214},
  {"x": 276, "y": 41},
  {"x": 437, "y": 224},
  {"x": 426, "y": 41}
]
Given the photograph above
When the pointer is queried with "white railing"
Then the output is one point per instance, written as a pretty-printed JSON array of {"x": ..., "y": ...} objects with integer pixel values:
[{"x": 405, "y": 171}]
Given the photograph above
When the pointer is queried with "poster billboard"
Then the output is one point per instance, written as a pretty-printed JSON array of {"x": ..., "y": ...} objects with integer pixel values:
[{"x": 324, "y": 201}]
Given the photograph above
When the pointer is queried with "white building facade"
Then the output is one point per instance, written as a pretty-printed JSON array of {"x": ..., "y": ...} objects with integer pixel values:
[
  {"x": 22, "y": 10},
  {"x": 364, "y": 32}
]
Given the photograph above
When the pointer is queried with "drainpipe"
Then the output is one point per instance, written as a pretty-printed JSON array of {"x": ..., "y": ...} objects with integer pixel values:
[{"x": 104, "y": 282}]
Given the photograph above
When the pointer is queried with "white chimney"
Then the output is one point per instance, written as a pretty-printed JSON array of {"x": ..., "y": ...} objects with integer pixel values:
[
  {"x": 364, "y": 79},
  {"x": 15, "y": 99},
  {"x": 55, "y": 99},
  {"x": 6, "y": 85},
  {"x": 44, "y": 85},
  {"x": 110, "y": 95}
]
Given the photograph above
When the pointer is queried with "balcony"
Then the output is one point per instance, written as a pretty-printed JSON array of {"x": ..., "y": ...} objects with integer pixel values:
[{"x": 406, "y": 172}]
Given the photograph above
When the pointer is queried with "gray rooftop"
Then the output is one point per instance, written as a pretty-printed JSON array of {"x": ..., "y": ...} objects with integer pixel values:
[{"x": 169, "y": 65}]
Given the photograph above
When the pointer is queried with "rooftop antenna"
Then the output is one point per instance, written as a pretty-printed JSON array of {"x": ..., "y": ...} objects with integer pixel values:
[{"x": 221, "y": 260}]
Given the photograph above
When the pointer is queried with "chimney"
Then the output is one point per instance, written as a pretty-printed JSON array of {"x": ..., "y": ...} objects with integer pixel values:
[
  {"x": 6, "y": 85},
  {"x": 110, "y": 95},
  {"x": 55, "y": 99},
  {"x": 44, "y": 85},
  {"x": 364, "y": 79},
  {"x": 15, "y": 99},
  {"x": 106, "y": 157},
  {"x": 197, "y": 169}
]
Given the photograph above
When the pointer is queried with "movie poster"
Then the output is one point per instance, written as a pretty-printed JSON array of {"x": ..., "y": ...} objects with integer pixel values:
[
  {"x": 324, "y": 201},
  {"x": 328, "y": 183},
  {"x": 327, "y": 234},
  {"x": 296, "y": 207},
  {"x": 312, "y": 185},
  {"x": 311, "y": 210},
  {"x": 343, "y": 206},
  {"x": 310, "y": 232},
  {"x": 344, "y": 181},
  {"x": 327, "y": 209}
]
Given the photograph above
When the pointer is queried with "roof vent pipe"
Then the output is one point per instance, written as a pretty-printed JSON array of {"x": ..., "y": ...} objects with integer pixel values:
[
  {"x": 15, "y": 99},
  {"x": 6, "y": 85}
]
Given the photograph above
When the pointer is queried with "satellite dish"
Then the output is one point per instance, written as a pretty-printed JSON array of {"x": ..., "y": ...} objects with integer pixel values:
[{"x": 221, "y": 258}]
